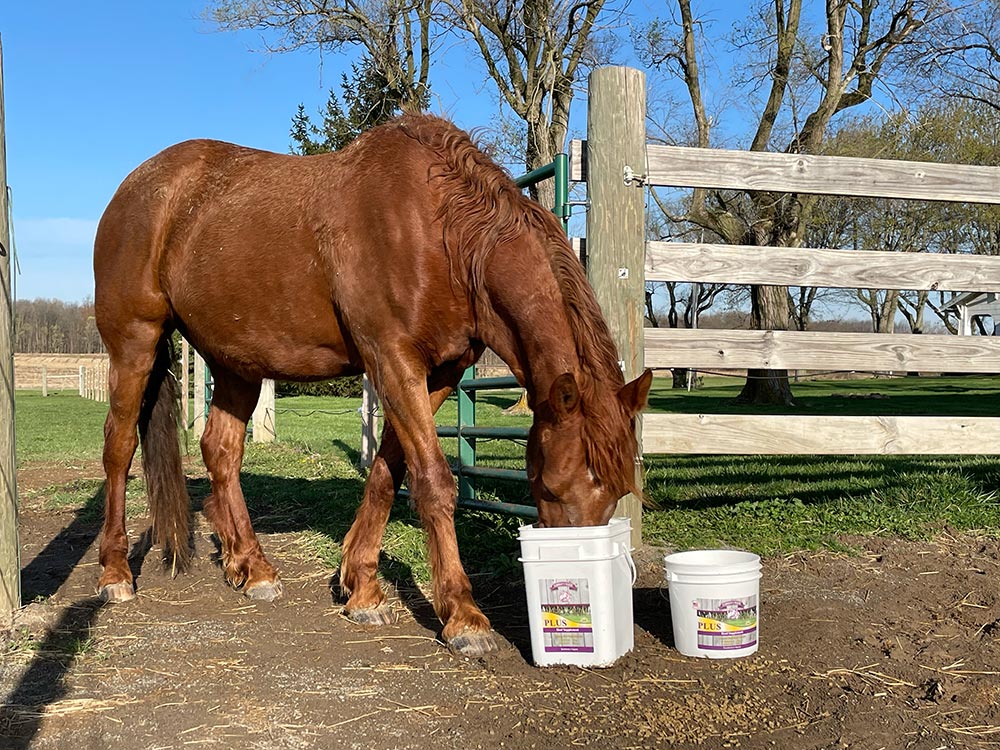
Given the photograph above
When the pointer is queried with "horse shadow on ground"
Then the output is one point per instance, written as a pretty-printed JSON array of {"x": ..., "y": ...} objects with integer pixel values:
[
  {"x": 44, "y": 681},
  {"x": 327, "y": 506},
  {"x": 277, "y": 505}
]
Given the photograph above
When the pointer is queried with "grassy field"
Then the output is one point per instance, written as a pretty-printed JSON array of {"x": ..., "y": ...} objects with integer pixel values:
[{"x": 308, "y": 482}]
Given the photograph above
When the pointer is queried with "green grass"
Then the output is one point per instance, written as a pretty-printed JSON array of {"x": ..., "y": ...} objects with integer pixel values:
[
  {"x": 61, "y": 427},
  {"x": 928, "y": 396},
  {"x": 773, "y": 504},
  {"x": 308, "y": 483}
]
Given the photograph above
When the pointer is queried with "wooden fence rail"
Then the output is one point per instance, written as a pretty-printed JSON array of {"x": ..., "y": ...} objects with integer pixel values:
[
  {"x": 842, "y": 269},
  {"x": 686, "y": 167},
  {"x": 680, "y": 167}
]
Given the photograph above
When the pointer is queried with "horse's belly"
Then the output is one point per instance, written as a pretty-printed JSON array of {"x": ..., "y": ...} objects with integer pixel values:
[{"x": 256, "y": 346}]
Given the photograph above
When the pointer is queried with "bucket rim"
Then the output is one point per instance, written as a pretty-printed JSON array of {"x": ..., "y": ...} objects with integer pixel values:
[
  {"x": 701, "y": 558},
  {"x": 616, "y": 525}
]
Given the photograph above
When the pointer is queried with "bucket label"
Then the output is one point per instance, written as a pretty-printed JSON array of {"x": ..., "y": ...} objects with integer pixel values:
[
  {"x": 726, "y": 624},
  {"x": 566, "y": 620}
]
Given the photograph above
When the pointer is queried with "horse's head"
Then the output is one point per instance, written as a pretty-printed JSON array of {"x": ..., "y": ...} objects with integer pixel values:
[{"x": 582, "y": 452}]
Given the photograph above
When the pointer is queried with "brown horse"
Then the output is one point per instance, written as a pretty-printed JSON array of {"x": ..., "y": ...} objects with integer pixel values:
[{"x": 402, "y": 256}]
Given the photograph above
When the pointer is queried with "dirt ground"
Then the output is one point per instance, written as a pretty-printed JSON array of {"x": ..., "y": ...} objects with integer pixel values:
[{"x": 897, "y": 646}]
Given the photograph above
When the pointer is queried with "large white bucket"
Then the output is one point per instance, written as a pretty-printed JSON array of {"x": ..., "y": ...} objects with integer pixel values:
[
  {"x": 714, "y": 602},
  {"x": 578, "y": 582}
]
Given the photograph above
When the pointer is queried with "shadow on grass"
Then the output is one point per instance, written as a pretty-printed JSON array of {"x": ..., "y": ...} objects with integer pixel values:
[
  {"x": 723, "y": 480},
  {"x": 352, "y": 454}
]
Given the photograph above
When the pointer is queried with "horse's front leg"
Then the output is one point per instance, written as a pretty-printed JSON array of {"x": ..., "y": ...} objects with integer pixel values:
[
  {"x": 222, "y": 450},
  {"x": 466, "y": 629},
  {"x": 432, "y": 487}
]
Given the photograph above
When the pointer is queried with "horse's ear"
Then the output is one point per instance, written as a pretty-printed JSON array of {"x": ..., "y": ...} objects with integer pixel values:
[
  {"x": 564, "y": 395},
  {"x": 633, "y": 395}
]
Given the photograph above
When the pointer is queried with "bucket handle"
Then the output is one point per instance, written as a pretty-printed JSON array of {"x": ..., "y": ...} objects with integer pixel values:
[{"x": 631, "y": 564}]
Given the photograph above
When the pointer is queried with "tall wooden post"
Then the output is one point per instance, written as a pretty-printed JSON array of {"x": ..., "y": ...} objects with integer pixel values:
[
  {"x": 185, "y": 385},
  {"x": 10, "y": 558},
  {"x": 616, "y": 229},
  {"x": 369, "y": 423},
  {"x": 199, "y": 396},
  {"x": 263, "y": 415}
]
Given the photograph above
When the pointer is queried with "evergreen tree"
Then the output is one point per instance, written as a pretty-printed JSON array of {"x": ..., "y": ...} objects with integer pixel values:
[{"x": 368, "y": 100}]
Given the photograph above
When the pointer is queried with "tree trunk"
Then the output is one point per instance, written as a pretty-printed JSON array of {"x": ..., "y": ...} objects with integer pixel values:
[
  {"x": 539, "y": 152},
  {"x": 520, "y": 407},
  {"x": 769, "y": 311}
]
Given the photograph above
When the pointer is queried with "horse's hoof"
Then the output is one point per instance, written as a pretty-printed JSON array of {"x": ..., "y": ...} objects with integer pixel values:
[
  {"x": 474, "y": 643},
  {"x": 117, "y": 592},
  {"x": 265, "y": 591},
  {"x": 380, "y": 615}
]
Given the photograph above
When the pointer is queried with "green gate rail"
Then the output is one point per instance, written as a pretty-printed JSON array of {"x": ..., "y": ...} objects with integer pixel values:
[{"x": 466, "y": 430}]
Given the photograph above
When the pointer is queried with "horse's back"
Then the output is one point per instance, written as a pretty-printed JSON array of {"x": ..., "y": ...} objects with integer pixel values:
[
  {"x": 271, "y": 261},
  {"x": 154, "y": 194}
]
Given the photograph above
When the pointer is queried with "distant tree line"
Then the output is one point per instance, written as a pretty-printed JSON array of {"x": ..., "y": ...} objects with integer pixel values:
[{"x": 52, "y": 326}]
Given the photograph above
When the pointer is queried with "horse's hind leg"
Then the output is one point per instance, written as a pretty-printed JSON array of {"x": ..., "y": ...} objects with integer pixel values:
[
  {"x": 222, "y": 450},
  {"x": 130, "y": 365},
  {"x": 359, "y": 565}
]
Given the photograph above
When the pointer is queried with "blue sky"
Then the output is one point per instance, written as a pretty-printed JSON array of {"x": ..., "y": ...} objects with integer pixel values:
[{"x": 93, "y": 89}]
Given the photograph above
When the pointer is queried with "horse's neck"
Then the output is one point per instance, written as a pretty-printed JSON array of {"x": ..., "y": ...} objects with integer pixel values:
[{"x": 527, "y": 326}]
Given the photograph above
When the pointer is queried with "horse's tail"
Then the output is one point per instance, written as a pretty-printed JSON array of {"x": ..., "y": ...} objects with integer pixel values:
[{"x": 169, "y": 505}]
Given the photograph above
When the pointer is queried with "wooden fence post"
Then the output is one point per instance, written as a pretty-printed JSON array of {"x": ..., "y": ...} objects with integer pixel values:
[
  {"x": 263, "y": 415},
  {"x": 185, "y": 385},
  {"x": 369, "y": 423},
  {"x": 616, "y": 229},
  {"x": 10, "y": 558},
  {"x": 83, "y": 375},
  {"x": 45, "y": 381},
  {"x": 199, "y": 396}
]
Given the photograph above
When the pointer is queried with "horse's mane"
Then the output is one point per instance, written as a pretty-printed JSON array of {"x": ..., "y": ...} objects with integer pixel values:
[{"x": 484, "y": 209}]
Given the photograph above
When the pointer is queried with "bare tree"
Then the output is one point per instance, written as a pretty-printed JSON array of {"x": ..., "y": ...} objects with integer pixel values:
[
  {"x": 56, "y": 327},
  {"x": 957, "y": 131},
  {"x": 534, "y": 50},
  {"x": 809, "y": 76},
  {"x": 396, "y": 35},
  {"x": 960, "y": 56}
]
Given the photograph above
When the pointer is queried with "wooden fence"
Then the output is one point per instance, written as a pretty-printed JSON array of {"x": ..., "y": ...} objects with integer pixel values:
[
  {"x": 196, "y": 397},
  {"x": 678, "y": 167},
  {"x": 85, "y": 374}
]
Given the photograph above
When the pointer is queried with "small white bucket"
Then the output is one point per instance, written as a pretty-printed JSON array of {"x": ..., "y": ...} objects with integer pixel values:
[
  {"x": 714, "y": 602},
  {"x": 578, "y": 582}
]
